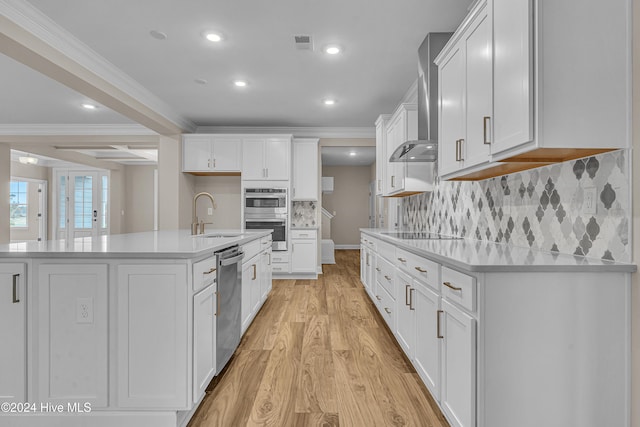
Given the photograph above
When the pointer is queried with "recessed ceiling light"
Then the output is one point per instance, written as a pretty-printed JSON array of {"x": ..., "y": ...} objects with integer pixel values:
[
  {"x": 158, "y": 35},
  {"x": 200, "y": 81},
  {"x": 353, "y": 153},
  {"x": 213, "y": 36},
  {"x": 89, "y": 106},
  {"x": 240, "y": 83},
  {"x": 332, "y": 49},
  {"x": 329, "y": 102}
]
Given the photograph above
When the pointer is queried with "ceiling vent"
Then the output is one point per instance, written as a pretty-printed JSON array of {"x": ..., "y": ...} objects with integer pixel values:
[{"x": 303, "y": 42}]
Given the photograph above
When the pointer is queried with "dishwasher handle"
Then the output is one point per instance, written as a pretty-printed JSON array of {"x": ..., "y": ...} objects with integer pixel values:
[{"x": 233, "y": 260}]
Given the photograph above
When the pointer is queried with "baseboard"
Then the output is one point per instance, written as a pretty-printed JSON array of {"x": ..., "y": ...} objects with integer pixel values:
[{"x": 349, "y": 247}]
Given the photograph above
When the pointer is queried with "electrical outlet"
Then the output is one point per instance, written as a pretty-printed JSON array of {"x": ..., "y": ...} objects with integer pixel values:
[
  {"x": 590, "y": 200},
  {"x": 209, "y": 211},
  {"x": 84, "y": 310}
]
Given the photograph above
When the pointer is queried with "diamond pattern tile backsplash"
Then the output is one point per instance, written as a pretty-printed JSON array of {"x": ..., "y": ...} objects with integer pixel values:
[
  {"x": 303, "y": 214},
  {"x": 544, "y": 208}
]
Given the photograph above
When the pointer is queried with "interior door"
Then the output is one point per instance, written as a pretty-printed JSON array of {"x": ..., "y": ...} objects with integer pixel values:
[{"x": 83, "y": 206}]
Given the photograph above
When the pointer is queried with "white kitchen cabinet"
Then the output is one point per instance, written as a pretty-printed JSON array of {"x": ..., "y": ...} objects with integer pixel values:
[
  {"x": 211, "y": 154},
  {"x": 427, "y": 342},
  {"x": 13, "y": 333},
  {"x": 73, "y": 342},
  {"x": 151, "y": 336},
  {"x": 266, "y": 281},
  {"x": 465, "y": 95},
  {"x": 305, "y": 169},
  {"x": 266, "y": 158},
  {"x": 381, "y": 153},
  {"x": 250, "y": 290},
  {"x": 205, "y": 311},
  {"x": 304, "y": 251},
  {"x": 458, "y": 399},
  {"x": 406, "y": 314}
]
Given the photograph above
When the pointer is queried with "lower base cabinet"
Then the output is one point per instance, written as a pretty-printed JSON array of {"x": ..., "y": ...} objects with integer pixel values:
[
  {"x": 13, "y": 334},
  {"x": 251, "y": 290},
  {"x": 427, "y": 346},
  {"x": 204, "y": 339}
]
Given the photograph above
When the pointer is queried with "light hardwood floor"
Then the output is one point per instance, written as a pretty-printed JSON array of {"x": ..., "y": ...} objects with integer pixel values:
[{"x": 319, "y": 354}]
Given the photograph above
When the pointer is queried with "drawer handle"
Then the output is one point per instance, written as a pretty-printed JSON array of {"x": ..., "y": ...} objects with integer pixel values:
[
  {"x": 378, "y": 298},
  {"x": 378, "y": 269},
  {"x": 421, "y": 270},
  {"x": 450, "y": 286},
  {"x": 265, "y": 243},
  {"x": 439, "y": 335},
  {"x": 411, "y": 299},
  {"x": 406, "y": 294},
  {"x": 211, "y": 270},
  {"x": 484, "y": 124},
  {"x": 387, "y": 310},
  {"x": 388, "y": 278},
  {"x": 16, "y": 298},
  {"x": 402, "y": 260}
]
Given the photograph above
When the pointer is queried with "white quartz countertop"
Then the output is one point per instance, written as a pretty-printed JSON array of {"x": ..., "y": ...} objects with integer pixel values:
[
  {"x": 152, "y": 244},
  {"x": 483, "y": 256}
]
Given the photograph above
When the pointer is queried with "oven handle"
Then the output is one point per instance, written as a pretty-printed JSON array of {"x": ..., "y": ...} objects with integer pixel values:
[
  {"x": 265, "y": 220},
  {"x": 229, "y": 261}
]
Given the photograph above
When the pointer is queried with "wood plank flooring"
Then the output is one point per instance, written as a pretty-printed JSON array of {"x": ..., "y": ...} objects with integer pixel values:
[{"x": 319, "y": 354}]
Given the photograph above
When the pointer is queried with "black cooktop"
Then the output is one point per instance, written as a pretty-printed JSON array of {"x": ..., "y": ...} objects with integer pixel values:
[{"x": 417, "y": 235}]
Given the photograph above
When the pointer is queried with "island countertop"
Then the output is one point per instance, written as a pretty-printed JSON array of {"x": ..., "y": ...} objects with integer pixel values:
[
  {"x": 152, "y": 244},
  {"x": 483, "y": 256}
]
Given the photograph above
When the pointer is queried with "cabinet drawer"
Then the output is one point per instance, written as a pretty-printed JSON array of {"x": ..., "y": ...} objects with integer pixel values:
[
  {"x": 385, "y": 272},
  {"x": 303, "y": 234},
  {"x": 422, "y": 269},
  {"x": 265, "y": 242},
  {"x": 459, "y": 288},
  {"x": 251, "y": 249},
  {"x": 280, "y": 257},
  {"x": 280, "y": 267},
  {"x": 204, "y": 273},
  {"x": 386, "y": 250},
  {"x": 386, "y": 306}
]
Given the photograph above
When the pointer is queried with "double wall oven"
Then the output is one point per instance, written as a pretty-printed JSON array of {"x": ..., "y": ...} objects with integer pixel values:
[{"x": 267, "y": 209}]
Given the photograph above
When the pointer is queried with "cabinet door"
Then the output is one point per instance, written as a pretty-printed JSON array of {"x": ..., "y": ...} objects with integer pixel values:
[
  {"x": 253, "y": 159},
  {"x": 226, "y": 154},
  {"x": 380, "y": 156},
  {"x": 278, "y": 159},
  {"x": 204, "y": 340},
  {"x": 406, "y": 317},
  {"x": 458, "y": 398},
  {"x": 392, "y": 140},
  {"x": 303, "y": 256},
  {"x": 451, "y": 74},
  {"x": 196, "y": 153},
  {"x": 427, "y": 343},
  {"x": 266, "y": 279},
  {"x": 305, "y": 171},
  {"x": 478, "y": 90},
  {"x": 256, "y": 284},
  {"x": 513, "y": 73},
  {"x": 152, "y": 340},
  {"x": 73, "y": 334},
  {"x": 13, "y": 332},
  {"x": 246, "y": 309}
]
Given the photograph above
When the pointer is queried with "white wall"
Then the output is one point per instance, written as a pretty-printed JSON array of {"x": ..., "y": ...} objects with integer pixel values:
[
  {"x": 139, "y": 198},
  {"x": 227, "y": 194},
  {"x": 5, "y": 178},
  {"x": 635, "y": 292}
]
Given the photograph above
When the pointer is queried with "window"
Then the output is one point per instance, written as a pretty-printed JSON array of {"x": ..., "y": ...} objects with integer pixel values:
[
  {"x": 104, "y": 201},
  {"x": 18, "y": 204},
  {"x": 83, "y": 202}
]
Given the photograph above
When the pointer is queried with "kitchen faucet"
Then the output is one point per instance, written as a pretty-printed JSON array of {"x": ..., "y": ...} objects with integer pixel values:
[{"x": 194, "y": 223}]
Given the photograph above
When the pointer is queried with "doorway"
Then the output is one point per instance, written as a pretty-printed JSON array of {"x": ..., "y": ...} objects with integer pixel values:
[{"x": 27, "y": 209}]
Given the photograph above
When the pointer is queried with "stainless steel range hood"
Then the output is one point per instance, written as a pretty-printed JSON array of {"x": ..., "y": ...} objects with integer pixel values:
[{"x": 425, "y": 148}]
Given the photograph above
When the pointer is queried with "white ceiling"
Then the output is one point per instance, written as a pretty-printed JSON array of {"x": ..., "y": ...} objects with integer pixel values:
[
  {"x": 341, "y": 156},
  {"x": 286, "y": 85}
]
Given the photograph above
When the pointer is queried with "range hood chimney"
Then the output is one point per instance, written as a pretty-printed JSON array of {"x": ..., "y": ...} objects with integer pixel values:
[{"x": 425, "y": 148}]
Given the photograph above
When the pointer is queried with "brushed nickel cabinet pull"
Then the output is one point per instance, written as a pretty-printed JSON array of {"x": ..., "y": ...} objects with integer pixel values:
[
  {"x": 393, "y": 181},
  {"x": 402, "y": 260},
  {"x": 387, "y": 310},
  {"x": 461, "y": 156},
  {"x": 406, "y": 294},
  {"x": 485, "y": 121},
  {"x": 211, "y": 270},
  {"x": 457, "y": 150},
  {"x": 411, "y": 299},
  {"x": 378, "y": 269},
  {"x": 217, "y": 303},
  {"x": 450, "y": 286},
  {"x": 378, "y": 298},
  {"x": 269, "y": 253},
  {"x": 388, "y": 278},
  {"x": 420, "y": 270},
  {"x": 254, "y": 272},
  {"x": 208, "y": 163},
  {"x": 214, "y": 163},
  {"x": 439, "y": 335},
  {"x": 16, "y": 298}
]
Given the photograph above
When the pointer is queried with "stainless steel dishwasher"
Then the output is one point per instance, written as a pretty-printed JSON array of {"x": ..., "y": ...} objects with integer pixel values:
[{"x": 228, "y": 323}]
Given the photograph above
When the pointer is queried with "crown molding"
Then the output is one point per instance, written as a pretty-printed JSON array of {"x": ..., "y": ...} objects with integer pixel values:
[
  {"x": 297, "y": 132},
  {"x": 71, "y": 129},
  {"x": 32, "y": 20}
]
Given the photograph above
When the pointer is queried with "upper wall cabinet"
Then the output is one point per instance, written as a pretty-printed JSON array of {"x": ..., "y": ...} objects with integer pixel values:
[
  {"x": 211, "y": 154},
  {"x": 552, "y": 99},
  {"x": 266, "y": 158},
  {"x": 305, "y": 169},
  {"x": 381, "y": 151}
]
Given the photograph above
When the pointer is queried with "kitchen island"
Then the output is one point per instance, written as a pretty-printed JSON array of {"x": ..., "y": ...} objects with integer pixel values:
[
  {"x": 506, "y": 336},
  {"x": 118, "y": 330}
]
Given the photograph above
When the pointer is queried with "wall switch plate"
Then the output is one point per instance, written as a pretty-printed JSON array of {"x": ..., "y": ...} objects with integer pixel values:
[
  {"x": 84, "y": 310},
  {"x": 209, "y": 211},
  {"x": 590, "y": 200}
]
